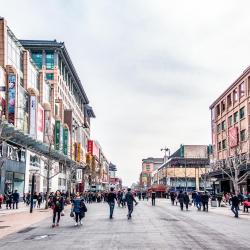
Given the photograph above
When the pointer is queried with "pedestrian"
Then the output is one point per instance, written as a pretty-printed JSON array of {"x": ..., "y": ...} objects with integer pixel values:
[
  {"x": 130, "y": 203},
  {"x": 39, "y": 200},
  {"x": 57, "y": 206},
  {"x": 111, "y": 202},
  {"x": 79, "y": 208},
  {"x": 35, "y": 198},
  {"x": 219, "y": 199},
  {"x": 198, "y": 201},
  {"x": 8, "y": 200},
  {"x": 1, "y": 200},
  {"x": 235, "y": 205},
  {"x": 180, "y": 198},
  {"x": 153, "y": 195},
  {"x": 172, "y": 197},
  {"x": 204, "y": 200},
  {"x": 186, "y": 200},
  {"x": 15, "y": 199}
]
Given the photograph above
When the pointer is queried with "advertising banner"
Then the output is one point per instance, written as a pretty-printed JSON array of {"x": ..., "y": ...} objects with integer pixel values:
[
  {"x": 33, "y": 104},
  {"x": 40, "y": 122},
  {"x": 57, "y": 134},
  {"x": 90, "y": 147},
  {"x": 2, "y": 93},
  {"x": 78, "y": 158},
  {"x": 11, "y": 98},
  {"x": 65, "y": 140},
  {"x": 233, "y": 137}
]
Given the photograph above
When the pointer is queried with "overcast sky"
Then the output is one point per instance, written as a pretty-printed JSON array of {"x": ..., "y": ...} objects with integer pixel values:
[{"x": 150, "y": 68}]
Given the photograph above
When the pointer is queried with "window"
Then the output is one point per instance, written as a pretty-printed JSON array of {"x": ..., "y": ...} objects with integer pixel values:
[
  {"x": 230, "y": 121},
  {"x": 49, "y": 76},
  {"x": 219, "y": 146},
  {"x": 223, "y": 105},
  {"x": 235, "y": 117},
  {"x": 242, "y": 113},
  {"x": 242, "y": 89},
  {"x": 218, "y": 128},
  {"x": 223, "y": 125},
  {"x": 229, "y": 100},
  {"x": 224, "y": 144},
  {"x": 235, "y": 95},
  {"x": 37, "y": 57},
  {"x": 243, "y": 135},
  {"x": 49, "y": 60},
  {"x": 218, "y": 110}
]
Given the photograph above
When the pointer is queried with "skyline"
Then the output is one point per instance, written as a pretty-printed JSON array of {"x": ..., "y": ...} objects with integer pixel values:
[{"x": 149, "y": 77}]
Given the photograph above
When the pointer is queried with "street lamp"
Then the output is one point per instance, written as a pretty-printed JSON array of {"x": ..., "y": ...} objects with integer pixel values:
[{"x": 165, "y": 153}]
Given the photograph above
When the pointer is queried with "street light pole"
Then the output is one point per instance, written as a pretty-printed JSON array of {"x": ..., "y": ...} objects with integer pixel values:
[{"x": 32, "y": 192}]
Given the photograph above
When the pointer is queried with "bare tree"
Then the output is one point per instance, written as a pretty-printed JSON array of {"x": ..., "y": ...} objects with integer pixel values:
[{"x": 234, "y": 167}]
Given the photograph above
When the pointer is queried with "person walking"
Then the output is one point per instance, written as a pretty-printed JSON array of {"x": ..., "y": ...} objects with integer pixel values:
[
  {"x": 130, "y": 203},
  {"x": 79, "y": 208},
  {"x": 1, "y": 200},
  {"x": 186, "y": 200},
  {"x": 204, "y": 200},
  {"x": 219, "y": 199},
  {"x": 35, "y": 198},
  {"x": 172, "y": 197},
  {"x": 57, "y": 206},
  {"x": 15, "y": 199},
  {"x": 235, "y": 205},
  {"x": 153, "y": 195},
  {"x": 111, "y": 201},
  {"x": 198, "y": 201},
  {"x": 39, "y": 200},
  {"x": 180, "y": 198}
]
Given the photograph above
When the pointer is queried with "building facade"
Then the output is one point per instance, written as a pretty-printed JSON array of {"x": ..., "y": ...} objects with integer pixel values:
[
  {"x": 45, "y": 116},
  {"x": 230, "y": 128}
]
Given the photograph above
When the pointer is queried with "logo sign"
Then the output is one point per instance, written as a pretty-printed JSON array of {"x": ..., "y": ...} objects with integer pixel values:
[
  {"x": 57, "y": 135},
  {"x": 90, "y": 147}
]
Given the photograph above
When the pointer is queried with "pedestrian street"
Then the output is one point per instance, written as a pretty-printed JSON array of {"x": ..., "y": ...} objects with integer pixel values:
[{"x": 161, "y": 227}]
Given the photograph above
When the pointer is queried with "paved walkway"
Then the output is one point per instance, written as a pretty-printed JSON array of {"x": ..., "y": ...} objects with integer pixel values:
[{"x": 161, "y": 227}]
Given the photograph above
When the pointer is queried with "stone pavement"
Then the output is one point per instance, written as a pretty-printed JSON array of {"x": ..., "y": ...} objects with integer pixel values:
[{"x": 161, "y": 227}]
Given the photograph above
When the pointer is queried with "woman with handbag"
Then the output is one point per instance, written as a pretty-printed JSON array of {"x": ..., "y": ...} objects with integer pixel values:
[
  {"x": 78, "y": 208},
  {"x": 57, "y": 206}
]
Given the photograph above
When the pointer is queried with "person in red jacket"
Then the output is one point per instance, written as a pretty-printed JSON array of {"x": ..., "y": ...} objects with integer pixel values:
[{"x": 1, "y": 200}]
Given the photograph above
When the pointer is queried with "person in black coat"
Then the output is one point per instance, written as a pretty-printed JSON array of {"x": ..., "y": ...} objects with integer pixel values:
[
  {"x": 186, "y": 200},
  {"x": 204, "y": 201},
  {"x": 15, "y": 199},
  {"x": 235, "y": 205},
  {"x": 180, "y": 198},
  {"x": 111, "y": 201},
  {"x": 57, "y": 206}
]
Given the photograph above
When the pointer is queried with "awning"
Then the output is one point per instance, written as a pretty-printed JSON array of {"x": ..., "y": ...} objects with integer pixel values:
[{"x": 13, "y": 135}]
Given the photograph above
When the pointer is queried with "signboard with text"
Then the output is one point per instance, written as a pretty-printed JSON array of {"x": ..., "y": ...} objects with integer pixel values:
[{"x": 57, "y": 134}]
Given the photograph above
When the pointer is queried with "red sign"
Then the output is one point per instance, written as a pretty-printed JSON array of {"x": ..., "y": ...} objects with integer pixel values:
[
  {"x": 40, "y": 119},
  {"x": 90, "y": 147},
  {"x": 233, "y": 137}
]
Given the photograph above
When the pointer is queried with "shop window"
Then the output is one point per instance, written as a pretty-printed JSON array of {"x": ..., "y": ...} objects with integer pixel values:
[
  {"x": 224, "y": 144},
  {"x": 235, "y": 117},
  {"x": 219, "y": 146},
  {"x": 242, "y": 113},
  {"x": 243, "y": 135},
  {"x": 230, "y": 121}
]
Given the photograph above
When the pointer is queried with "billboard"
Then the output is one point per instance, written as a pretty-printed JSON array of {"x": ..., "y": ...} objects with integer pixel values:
[
  {"x": 65, "y": 140},
  {"x": 11, "y": 98},
  {"x": 233, "y": 137},
  {"x": 57, "y": 134},
  {"x": 2, "y": 93}
]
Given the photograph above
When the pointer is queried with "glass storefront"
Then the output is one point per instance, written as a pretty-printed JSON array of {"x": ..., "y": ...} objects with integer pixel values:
[{"x": 14, "y": 181}]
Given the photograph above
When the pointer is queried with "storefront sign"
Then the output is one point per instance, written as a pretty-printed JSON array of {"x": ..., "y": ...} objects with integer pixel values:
[
  {"x": 90, "y": 147},
  {"x": 33, "y": 104},
  {"x": 11, "y": 97},
  {"x": 65, "y": 140},
  {"x": 57, "y": 134}
]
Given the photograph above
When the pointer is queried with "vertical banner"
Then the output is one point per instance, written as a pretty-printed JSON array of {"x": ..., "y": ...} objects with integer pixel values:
[
  {"x": 57, "y": 135},
  {"x": 11, "y": 98},
  {"x": 2, "y": 93},
  {"x": 40, "y": 122},
  {"x": 33, "y": 107},
  {"x": 90, "y": 147},
  {"x": 65, "y": 140},
  {"x": 78, "y": 152}
]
